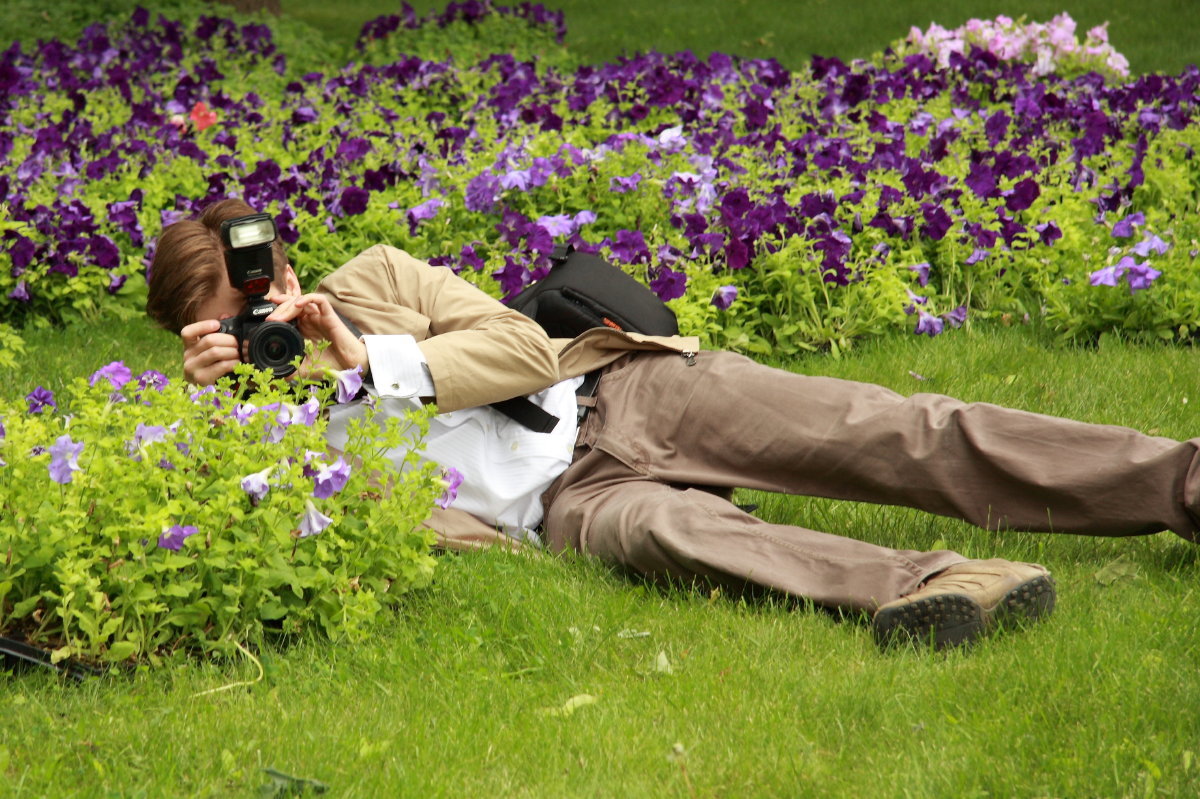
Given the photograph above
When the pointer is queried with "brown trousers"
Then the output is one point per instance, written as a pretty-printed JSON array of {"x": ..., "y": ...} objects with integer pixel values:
[{"x": 664, "y": 434}]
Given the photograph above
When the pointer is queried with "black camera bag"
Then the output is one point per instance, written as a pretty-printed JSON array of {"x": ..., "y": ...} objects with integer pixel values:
[{"x": 584, "y": 291}]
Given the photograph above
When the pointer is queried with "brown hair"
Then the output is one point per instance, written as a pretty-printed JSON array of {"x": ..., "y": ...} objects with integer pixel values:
[{"x": 189, "y": 264}]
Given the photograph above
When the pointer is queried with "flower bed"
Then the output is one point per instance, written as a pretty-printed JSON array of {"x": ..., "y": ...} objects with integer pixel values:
[
  {"x": 156, "y": 518},
  {"x": 775, "y": 210}
]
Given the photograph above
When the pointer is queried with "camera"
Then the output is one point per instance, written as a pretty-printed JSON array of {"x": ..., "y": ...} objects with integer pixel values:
[{"x": 248, "y": 260}]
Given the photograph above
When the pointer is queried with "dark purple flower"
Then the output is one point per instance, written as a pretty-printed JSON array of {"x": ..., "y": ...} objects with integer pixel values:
[
  {"x": 354, "y": 200},
  {"x": 354, "y": 148},
  {"x": 39, "y": 399},
  {"x": 64, "y": 454},
  {"x": 452, "y": 478},
  {"x": 668, "y": 284},
  {"x": 116, "y": 373},
  {"x": 957, "y": 316},
  {"x": 1049, "y": 232},
  {"x": 173, "y": 537},
  {"x": 1022, "y": 195},
  {"x": 303, "y": 114}
]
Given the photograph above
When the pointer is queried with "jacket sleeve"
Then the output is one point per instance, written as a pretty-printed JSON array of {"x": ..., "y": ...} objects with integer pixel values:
[{"x": 478, "y": 350}]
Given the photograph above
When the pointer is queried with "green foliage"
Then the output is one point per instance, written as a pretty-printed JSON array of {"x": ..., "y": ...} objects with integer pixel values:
[{"x": 101, "y": 564}]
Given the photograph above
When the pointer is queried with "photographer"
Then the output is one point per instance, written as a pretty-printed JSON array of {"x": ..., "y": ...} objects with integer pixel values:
[{"x": 644, "y": 479}]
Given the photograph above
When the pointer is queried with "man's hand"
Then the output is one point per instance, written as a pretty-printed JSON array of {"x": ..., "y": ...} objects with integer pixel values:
[
  {"x": 318, "y": 322},
  {"x": 207, "y": 354}
]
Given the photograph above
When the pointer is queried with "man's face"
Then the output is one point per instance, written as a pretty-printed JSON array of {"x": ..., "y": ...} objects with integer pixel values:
[{"x": 226, "y": 302}]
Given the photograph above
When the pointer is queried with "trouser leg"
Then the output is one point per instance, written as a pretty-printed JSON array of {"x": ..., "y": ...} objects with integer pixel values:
[
  {"x": 728, "y": 421},
  {"x": 604, "y": 508}
]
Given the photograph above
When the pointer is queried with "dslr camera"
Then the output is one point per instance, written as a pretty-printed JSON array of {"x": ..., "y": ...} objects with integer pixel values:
[{"x": 267, "y": 345}]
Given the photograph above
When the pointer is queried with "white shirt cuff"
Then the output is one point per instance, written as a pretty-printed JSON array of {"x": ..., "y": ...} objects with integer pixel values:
[{"x": 398, "y": 367}]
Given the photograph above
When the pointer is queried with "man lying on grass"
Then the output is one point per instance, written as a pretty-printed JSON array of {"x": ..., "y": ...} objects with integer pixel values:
[{"x": 643, "y": 477}]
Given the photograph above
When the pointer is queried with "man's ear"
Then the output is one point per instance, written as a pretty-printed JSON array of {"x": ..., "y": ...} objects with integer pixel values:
[{"x": 290, "y": 281}]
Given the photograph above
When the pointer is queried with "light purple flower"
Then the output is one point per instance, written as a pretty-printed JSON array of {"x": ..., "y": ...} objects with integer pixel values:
[
  {"x": 1140, "y": 276},
  {"x": 425, "y": 211},
  {"x": 64, "y": 455},
  {"x": 1124, "y": 228},
  {"x": 724, "y": 297},
  {"x": 1151, "y": 243},
  {"x": 913, "y": 297},
  {"x": 148, "y": 434},
  {"x": 116, "y": 373},
  {"x": 256, "y": 484},
  {"x": 39, "y": 399},
  {"x": 173, "y": 537},
  {"x": 922, "y": 271},
  {"x": 585, "y": 218},
  {"x": 453, "y": 478},
  {"x": 622, "y": 185},
  {"x": 558, "y": 225},
  {"x": 518, "y": 179},
  {"x": 1109, "y": 275},
  {"x": 313, "y": 520},
  {"x": 244, "y": 412},
  {"x": 928, "y": 324},
  {"x": 306, "y": 413},
  {"x": 977, "y": 256},
  {"x": 349, "y": 381},
  {"x": 330, "y": 478}
]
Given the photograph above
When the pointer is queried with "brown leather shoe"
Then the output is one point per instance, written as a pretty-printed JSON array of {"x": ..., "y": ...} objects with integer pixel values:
[{"x": 963, "y": 602}]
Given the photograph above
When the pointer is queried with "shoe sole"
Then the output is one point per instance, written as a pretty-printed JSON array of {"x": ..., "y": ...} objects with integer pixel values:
[{"x": 949, "y": 620}]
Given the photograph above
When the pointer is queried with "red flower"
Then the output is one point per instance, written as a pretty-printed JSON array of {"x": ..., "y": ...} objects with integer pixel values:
[{"x": 202, "y": 117}]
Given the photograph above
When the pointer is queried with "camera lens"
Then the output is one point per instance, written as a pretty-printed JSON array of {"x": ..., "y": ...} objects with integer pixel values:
[{"x": 274, "y": 345}]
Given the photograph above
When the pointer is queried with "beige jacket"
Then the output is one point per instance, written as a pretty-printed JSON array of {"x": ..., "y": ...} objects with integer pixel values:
[{"x": 478, "y": 350}]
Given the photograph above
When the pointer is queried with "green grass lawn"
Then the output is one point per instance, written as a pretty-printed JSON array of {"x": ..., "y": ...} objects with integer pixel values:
[
  {"x": 463, "y": 692},
  {"x": 475, "y": 688}
]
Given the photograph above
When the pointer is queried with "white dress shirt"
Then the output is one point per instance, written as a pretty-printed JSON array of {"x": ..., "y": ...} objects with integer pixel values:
[{"x": 505, "y": 466}]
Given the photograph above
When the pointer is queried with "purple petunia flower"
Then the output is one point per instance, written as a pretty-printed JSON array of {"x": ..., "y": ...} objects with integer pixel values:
[
  {"x": 349, "y": 382},
  {"x": 453, "y": 478},
  {"x": 425, "y": 211},
  {"x": 354, "y": 200},
  {"x": 256, "y": 484},
  {"x": 724, "y": 297},
  {"x": 1049, "y": 232},
  {"x": 978, "y": 255},
  {"x": 330, "y": 478},
  {"x": 150, "y": 379},
  {"x": 1106, "y": 277},
  {"x": 173, "y": 537},
  {"x": 20, "y": 292},
  {"x": 620, "y": 185},
  {"x": 306, "y": 413},
  {"x": 116, "y": 373},
  {"x": 39, "y": 399},
  {"x": 64, "y": 455},
  {"x": 243, "y": 412},
  {"x": 1151, "y": 243},
  {"x": 1140, "y": 276},
  {"x": 957, "y": 316},
  {"x": 928, "y": 324},
  {"x": 557, "y": 225},
  {"x": 922, "y": 270},
  {"x": 313, "y": 520},
  {"x": 1124, "y": 228}
]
